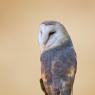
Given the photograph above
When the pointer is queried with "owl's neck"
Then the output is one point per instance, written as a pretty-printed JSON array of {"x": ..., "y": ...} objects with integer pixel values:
[{"x": 57, "y": 43}]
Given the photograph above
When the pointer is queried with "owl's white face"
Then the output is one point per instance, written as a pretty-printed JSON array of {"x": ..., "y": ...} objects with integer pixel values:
[{"x": 51, "y": 35}]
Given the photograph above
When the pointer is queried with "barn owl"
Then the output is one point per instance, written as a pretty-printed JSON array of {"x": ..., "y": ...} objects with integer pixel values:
[{"x": 58, "y": 59}]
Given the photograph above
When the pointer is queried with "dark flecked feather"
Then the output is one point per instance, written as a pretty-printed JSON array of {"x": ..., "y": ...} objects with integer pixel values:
[{"x": 57, "y": 67}]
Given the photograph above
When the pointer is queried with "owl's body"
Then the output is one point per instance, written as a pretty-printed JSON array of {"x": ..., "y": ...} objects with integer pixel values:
[{"x": 58, "y": 68}]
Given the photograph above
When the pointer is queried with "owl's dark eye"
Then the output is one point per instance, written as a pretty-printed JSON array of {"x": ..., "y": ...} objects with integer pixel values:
[{"x": 51, "y": 33}]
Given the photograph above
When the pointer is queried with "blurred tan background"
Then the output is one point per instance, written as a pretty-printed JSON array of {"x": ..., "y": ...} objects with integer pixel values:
[{"x": 19, "y": 50}]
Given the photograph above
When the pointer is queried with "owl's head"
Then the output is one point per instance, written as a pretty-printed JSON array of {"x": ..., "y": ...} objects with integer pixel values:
[{"x": 51, "y": 34}]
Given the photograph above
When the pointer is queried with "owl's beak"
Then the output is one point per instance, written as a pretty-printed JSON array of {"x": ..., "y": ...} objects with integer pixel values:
[{"x": 45, "y": 42}]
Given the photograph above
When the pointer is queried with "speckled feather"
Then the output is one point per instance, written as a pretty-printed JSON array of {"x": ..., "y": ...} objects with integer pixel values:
[{"x": 58, "y": 68}]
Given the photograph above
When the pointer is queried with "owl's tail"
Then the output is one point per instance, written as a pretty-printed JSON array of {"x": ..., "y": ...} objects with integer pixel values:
[{"x": 43, "y": 87}]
